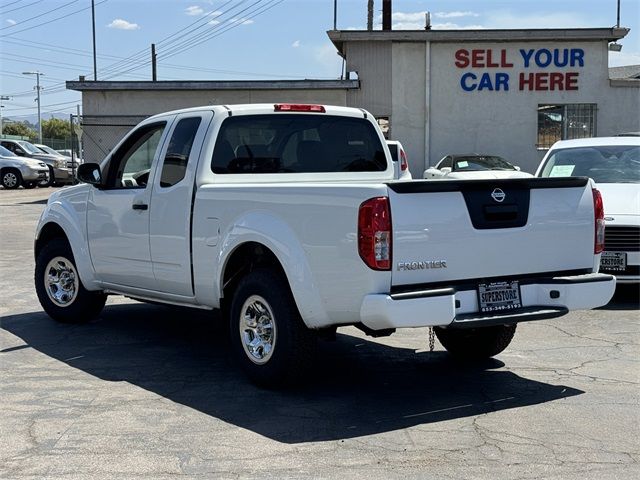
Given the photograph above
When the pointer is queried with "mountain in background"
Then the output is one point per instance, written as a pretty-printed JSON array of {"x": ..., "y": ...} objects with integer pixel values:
[{"x": 33, "y": 119}]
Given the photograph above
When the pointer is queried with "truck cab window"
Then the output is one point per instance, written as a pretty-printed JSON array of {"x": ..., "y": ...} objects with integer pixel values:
[
  {"x": 175, "y": 162},
  {"x": 131, "y": 164}
]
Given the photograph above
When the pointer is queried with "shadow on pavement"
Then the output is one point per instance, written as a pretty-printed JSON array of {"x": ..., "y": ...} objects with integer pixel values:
[
  {"x": 358, "y": 388},
  {"x": 627, "y": 297}
]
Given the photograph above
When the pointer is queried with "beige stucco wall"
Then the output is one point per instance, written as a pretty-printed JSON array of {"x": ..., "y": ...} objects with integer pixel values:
[{"x": 433, "y": 116}]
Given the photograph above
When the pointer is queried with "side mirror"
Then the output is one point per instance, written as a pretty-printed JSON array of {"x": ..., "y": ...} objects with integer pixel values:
[
  {"x": 445, "y": 170},
  {"x": 516, "y": 167},
  {"x": 19, "y": 152},
  {"x": 90, "y": 173}
]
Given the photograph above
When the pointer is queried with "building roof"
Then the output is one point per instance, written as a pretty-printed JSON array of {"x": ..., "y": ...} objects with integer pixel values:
[
  {"x": 215, "y": 85},
  {"x": 610, "y": 34},
  {"x": 626, "y": 72}
]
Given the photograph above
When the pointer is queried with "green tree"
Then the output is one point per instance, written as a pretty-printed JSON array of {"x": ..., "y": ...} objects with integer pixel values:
[
  {"x": 19, "y": 128},
  {"x": 56, "y": 128}
]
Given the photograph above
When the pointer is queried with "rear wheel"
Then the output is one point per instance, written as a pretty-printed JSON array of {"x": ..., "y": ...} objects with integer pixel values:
[
  {"x": 59, "y": 287},
  {"x": 269, "y": 339},
  {"x": 11, "y": 178},
  {"x": 476, "y": 343}
]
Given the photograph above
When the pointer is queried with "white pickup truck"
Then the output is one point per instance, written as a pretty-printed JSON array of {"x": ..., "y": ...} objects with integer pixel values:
[{"x": 287, "y": 218}]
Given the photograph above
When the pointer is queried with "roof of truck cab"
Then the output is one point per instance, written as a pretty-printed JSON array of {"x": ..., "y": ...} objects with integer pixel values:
[{"x": 263, "y": 108}]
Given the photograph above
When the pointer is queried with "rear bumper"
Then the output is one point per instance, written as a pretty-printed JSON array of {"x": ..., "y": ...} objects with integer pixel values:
[{"x": 448, "y": 307}]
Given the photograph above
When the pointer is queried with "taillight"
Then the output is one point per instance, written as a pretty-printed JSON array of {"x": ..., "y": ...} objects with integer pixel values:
[
  {"x": 298, "y": 107},
  {"x": 404, "y": 164},
  {"x": 374, "y": 233},
  {"x": 598, "y": 211}
]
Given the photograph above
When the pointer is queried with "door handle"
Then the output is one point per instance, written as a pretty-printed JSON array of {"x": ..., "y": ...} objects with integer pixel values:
[{"x": 140, "y": 206}]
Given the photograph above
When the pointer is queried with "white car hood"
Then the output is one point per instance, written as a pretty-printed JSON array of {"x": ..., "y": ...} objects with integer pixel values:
[
  {"x": 620, "y": 198},
  {"x": 487, "y": 175}
]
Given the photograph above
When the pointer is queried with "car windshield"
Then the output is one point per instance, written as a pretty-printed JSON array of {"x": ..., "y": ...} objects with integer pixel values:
[
  {"x": 481, "y": 163},
  {"x": 605, "y": 164},
  {"x": 48, "y": 150},
  {"x": 29, "y": 147},
  {"x": 6, "y": 153}
]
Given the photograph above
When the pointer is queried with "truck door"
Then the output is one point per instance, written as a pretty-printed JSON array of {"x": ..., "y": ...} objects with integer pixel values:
[
  {"x": 118, "y": 213},
  {"x": 171, "y": 204}
]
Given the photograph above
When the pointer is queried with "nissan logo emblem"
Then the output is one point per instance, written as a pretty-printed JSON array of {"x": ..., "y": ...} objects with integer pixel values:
[{"x": 498, "y": 195}]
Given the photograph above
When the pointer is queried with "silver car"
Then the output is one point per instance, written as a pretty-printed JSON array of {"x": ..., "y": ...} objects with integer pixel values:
[
  {"x": 59, "y": 171},
  {"x": 16, "y": 171}
]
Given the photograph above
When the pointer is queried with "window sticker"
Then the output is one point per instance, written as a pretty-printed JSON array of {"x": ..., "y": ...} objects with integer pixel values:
[
  {"x": 562, "y": 170},
  {"x": 463, "y": 164}
]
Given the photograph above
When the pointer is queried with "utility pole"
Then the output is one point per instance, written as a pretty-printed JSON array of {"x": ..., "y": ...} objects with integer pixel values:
[
  {"x": 37, "y": 73},
  {"x": 370, "y": 15},
  {"x": 93, "y": 25},
  {"x": 154, "y": 67},
  {"x": 618, "y": 16},
  {"x": 2, "y": 97},
  {"x": 335, "y": 14}
]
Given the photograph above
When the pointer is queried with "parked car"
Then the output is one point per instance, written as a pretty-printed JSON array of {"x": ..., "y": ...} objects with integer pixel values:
[
  {"x": 474, "y": 166},
  {"x": 287, "y": 217},
  {"x": 71, "y": 163},
  {"x": 67, "y": 152},
  {"x": 400, "y": 160},
  {"x": 59, "y": 171},
  {"x": 16, "y": 171},
  {"x": 614, "y": 165}
]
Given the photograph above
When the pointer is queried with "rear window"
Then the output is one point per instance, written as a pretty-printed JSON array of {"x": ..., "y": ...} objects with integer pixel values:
[{"x": 287, "y": 143}]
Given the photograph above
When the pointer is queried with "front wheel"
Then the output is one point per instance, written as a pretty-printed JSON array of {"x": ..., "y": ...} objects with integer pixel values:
[
  {"x": 59, "y": 287},
  {"x": 11, "y": 178},
  {"x": 476, "y": 343},
  {"x": 269, "y": 338}
]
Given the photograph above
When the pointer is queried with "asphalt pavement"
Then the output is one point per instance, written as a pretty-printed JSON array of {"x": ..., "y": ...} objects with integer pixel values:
[{"x": 151, "y": 392}]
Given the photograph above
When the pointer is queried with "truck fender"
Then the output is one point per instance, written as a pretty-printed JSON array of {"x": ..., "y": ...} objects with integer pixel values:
[
  {"x": 272, "y": 232},
  {"x": 66, "y": 217}
]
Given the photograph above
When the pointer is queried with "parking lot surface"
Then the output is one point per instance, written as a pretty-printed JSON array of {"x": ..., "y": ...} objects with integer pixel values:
[{"x": 150, "y": 392}]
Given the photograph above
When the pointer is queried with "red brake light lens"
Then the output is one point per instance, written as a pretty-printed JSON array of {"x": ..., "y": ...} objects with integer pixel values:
[
  {"x": 404, "y": 163},
  {"x": 298, "y": 107},
  {"x": 374, "y": 233},
  {"x": 598, "y": 211}
]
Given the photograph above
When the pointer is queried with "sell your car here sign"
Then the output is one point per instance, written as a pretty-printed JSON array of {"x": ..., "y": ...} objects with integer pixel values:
[{"x": 513, "y": 69}]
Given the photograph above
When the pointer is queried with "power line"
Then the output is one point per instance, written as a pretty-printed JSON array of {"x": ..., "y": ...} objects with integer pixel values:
[
  {"x": 18, "y": 8},
  {"x": 20, "y": 22},
  {"x": 53, "y": 20}
]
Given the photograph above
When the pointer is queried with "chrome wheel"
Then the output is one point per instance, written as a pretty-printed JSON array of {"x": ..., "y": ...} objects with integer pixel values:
[
  {"x": 257, "y": 329},
  {"x": 61, "y": 281},
  {"x": 10, "y": 180}
]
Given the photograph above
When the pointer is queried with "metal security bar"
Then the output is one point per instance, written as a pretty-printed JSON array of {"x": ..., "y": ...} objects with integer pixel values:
[{"x": 565, "y": 122}]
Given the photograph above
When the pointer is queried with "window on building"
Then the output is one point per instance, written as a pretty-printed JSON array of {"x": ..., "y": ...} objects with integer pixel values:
[{"x": 565, "y": 122}]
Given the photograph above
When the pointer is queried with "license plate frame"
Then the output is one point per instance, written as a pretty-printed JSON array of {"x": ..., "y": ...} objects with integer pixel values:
[
  {"x": 499, "y": 296},
  {"x": 613, "y": 261}
]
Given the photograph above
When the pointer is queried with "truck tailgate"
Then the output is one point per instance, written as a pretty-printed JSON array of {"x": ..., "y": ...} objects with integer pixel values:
[{"x": 447, "y": 230}]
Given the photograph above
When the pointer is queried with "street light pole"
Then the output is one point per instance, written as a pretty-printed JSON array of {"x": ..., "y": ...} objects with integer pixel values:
[
  {"x": 2, "y": 97},
  {"x": 37, "y": 73}
]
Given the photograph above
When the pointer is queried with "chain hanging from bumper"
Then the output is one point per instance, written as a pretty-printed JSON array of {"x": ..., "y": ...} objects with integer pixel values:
[{"x": 432, "y": 339}]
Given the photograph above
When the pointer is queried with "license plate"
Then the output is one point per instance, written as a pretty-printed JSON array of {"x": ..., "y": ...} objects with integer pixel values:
[
  {"x": 498, "y": 296},
  {"x": 613, "y": 261}
]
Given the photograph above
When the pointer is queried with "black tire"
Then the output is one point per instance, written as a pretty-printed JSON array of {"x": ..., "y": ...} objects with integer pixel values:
[
  {"x": 49, "y": 181},
  {"x": 294, "y": 345},
  {"x": 476, "y": 343},
  {"x": 30, "y": 185},
  {"x": 84, "y": 306},
  {"x": 11, "y": 178}
]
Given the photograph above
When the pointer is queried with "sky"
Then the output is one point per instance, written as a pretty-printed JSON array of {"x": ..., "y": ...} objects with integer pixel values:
[{"x": 237, "y": 39}]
